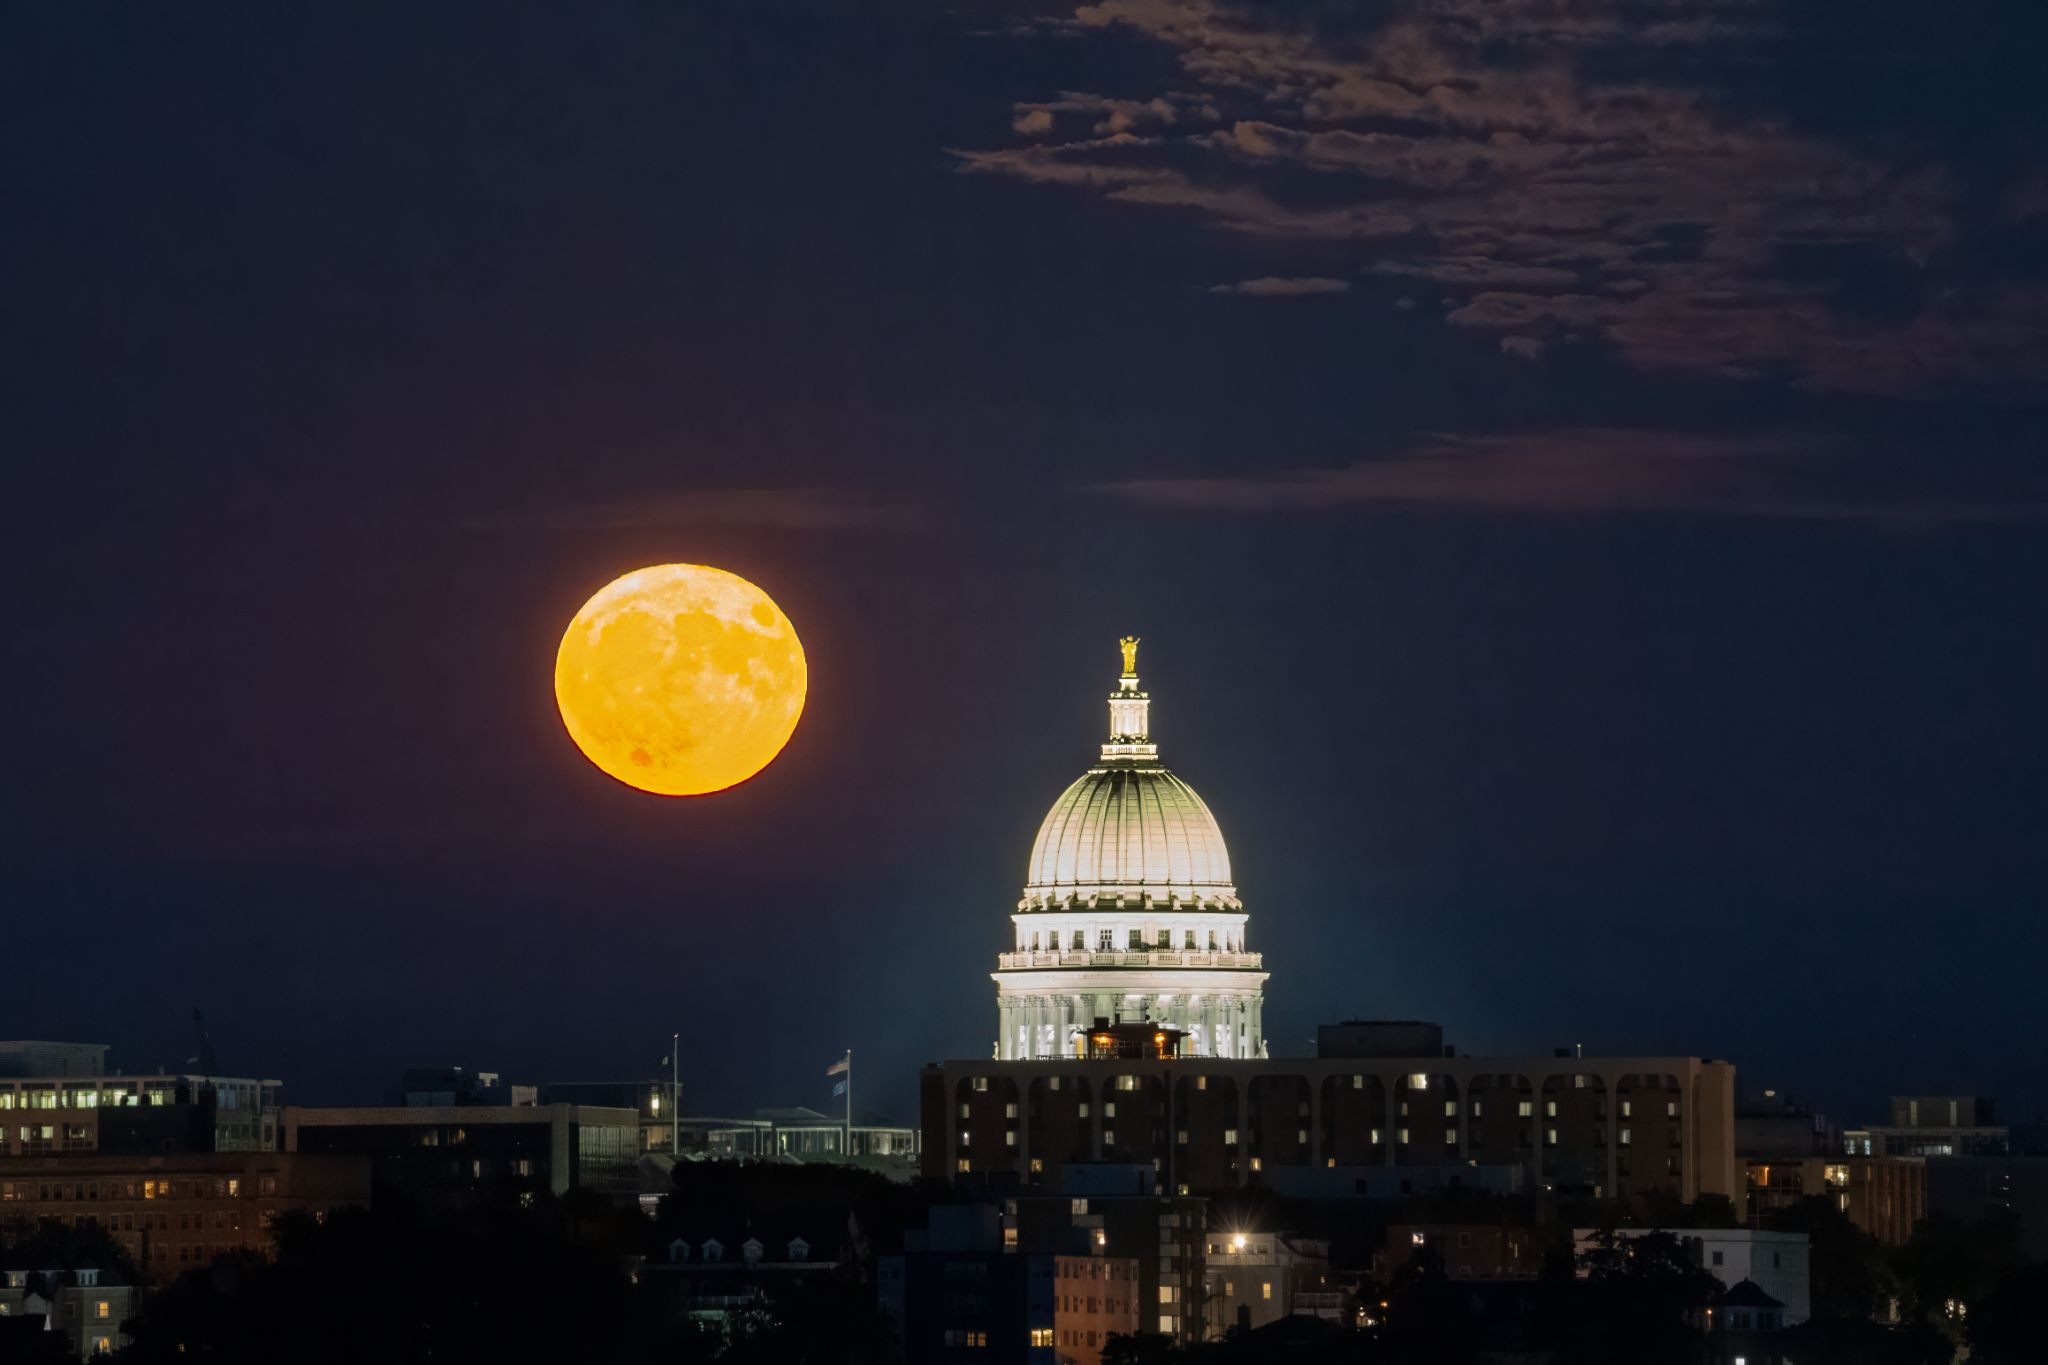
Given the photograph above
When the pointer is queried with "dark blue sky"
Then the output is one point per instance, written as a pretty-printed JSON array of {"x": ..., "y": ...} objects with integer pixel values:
[{"x": 1576, "y": 469}]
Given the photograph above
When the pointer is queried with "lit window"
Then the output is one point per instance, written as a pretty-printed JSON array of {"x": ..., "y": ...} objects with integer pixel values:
[
  {"x": 1419, "y": 1081},
  {"x": 100, "y": 1309},
  {"x": 1625, "y": 1107},
  {"x": 1266, "y": 1289},
  {"x": 1401, "y": 1136},
  {"x": 1450, "y": 1109},
  {"x": 981, "y": 1083},
  {"x": 1230, "y": 1137},
  {"x": 1550, "y": 1109},
  {"x": 1624, "y": 1137},
  {"x": 964, "y": 1112},
  {"x": 1450, "y": 1137},
  {"x": 1550, "y": 1136},
  {"x": 1257, "y": 1164},
  {"x": 1109, "y": 1106},
  {"x": 963, "y": 1166}
]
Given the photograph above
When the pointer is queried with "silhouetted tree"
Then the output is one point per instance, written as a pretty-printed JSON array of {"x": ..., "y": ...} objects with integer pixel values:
[
  {"x": 1849, "y": 1273},
  {"x": 2009, "y": 1326}
]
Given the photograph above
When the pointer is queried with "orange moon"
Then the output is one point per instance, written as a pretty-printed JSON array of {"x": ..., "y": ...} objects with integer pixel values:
[{"x": 680, "y": 679}]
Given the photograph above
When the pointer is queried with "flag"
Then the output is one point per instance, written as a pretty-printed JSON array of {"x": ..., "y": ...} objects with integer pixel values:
[
  {"x": 838, "y": 1090},
  {"x": 840, "y": 1067}
]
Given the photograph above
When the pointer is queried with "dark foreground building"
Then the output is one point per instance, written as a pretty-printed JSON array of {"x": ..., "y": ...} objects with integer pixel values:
[
  {"x": 964, "y": 1291},
  {"x": 462, "y": 1152}
]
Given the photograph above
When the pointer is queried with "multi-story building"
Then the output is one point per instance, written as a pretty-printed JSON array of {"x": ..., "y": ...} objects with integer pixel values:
[
  {"x": 1117, "y": 1210},
  {"x": 177, "y": 1211},
  {"x": 965, "y": 1291},
  {"x": 88, "y": 1305},
  {"x": 1933, "y": 1125},
  {"x": 45, "y": 1114},
  {"x": 652, "y": 1100},
  {"x": 1611, "y": 1127},
  {"x": 461, "y": 1152},
  {"x": 1467, "y": 1251},
  {"x": 1251, "y": 1279},
  {"x": 1883, "y": 1195},
  {"x": 1777, "y": 1127}
]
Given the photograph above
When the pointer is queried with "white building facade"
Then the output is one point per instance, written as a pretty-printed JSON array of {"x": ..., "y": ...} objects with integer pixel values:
[{"x": 1129, "y": 913}]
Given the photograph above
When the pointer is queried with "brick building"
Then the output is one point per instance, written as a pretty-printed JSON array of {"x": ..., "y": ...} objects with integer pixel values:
[{"x": 177, "y": 1211}]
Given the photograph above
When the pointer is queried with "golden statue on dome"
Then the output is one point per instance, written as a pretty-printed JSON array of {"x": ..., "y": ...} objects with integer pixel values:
[{"x": 1129, "y": 645}]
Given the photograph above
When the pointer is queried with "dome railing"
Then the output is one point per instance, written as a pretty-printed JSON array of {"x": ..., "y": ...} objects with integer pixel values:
[{"x": 1150, "y": 957}]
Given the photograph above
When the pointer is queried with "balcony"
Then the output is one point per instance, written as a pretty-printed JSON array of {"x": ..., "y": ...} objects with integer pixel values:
[{"x": 1150, "y": 957}]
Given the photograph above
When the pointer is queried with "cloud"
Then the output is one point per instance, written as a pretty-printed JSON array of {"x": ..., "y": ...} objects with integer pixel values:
[
  {"x": 1569, "y": 173},
  {"x": 788, "y": 509},
  {"x": 1274, "y": 286},
  {"x": 1615, "y": 471}
]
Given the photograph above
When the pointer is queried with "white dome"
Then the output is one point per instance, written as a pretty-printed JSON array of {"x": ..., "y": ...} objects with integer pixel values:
[{"x": 1132, "y": 831}]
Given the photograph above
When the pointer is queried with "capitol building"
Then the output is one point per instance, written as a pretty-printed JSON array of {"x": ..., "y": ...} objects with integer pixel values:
[{"x": 1129, "y": 913}]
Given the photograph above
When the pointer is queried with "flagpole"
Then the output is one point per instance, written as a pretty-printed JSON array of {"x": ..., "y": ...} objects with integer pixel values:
[
  {"x": 849, "y": 1104},
  {"x": 675, "y": 1126}
]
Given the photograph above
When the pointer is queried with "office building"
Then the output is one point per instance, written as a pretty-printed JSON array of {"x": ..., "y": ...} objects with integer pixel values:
[
  {"x": 1118, "y": 1209},
  {"x": 1933, "y": 1125},
  {"x": 964, "y": 1290},
  {"x": 174, "y": 1212},
  {"x": 1609, "y": 1127},
  {"x": 464, "y": 1152}
]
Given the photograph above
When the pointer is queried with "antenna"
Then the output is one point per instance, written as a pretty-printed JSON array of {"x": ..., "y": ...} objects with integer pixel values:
[{"x": 207, "y": 1066}]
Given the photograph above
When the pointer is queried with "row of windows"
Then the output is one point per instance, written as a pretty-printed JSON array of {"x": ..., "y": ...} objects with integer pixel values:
[
  {"x": 1523, "y": 1108},
  {"x": 72, "y": 1097},
  {"x": 56, "y": 1191},
  {"x": 1134, "y": 941}
]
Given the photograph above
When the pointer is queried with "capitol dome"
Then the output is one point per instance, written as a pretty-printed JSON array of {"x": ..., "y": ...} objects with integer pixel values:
[
  {"x": 1129, "y": 912},
  {"x": 1132, "y": 831}
]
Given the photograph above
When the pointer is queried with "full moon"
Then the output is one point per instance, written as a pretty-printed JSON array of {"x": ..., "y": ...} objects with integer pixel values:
[{"x": 680, "y": 679}]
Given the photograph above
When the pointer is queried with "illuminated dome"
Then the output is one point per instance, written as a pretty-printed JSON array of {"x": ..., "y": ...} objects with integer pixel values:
[
  {"x": 1129, "y": 912},
  {"x": 1134, "y": 831}
]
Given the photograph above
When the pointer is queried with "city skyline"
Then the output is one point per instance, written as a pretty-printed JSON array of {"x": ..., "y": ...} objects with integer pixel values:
[{"x": 1609, "y": 626}]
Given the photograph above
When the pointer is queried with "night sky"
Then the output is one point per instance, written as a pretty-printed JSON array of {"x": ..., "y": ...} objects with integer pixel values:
[{"x": 1577, "y": 471}]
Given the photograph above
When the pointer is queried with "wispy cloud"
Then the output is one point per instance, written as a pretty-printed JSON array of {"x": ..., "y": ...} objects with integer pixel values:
[
  {"x": 1606, "y": 471},
  {"x": 1275, "y": 286},
  {"x": 1513, "y": 155}
]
